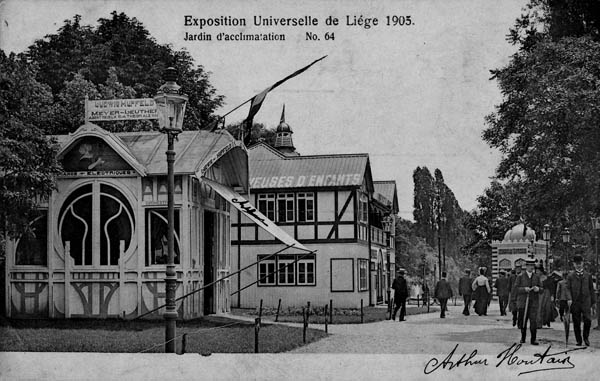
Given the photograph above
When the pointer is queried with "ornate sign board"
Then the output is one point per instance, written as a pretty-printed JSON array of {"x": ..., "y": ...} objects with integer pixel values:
[
  {"x": 120, "y": 109},
  {"x": 91, "y": 156}
]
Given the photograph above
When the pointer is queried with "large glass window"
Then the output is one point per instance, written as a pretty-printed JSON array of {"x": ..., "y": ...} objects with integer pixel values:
[
  {"x": 32, "y": 246},
  {"x": 285, "y": 207},
  {"x": 97, "y": 223},
  {"x": 156, "y": 236},
  {"x": 266, "y": 205},
  {"x": 306, "y": 202},
  {"x": 287, "y": 270}
]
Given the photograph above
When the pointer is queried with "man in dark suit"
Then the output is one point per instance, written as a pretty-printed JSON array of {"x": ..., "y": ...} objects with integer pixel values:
[
  {"x": 502, "y": 290},
  {"x": 580, "y": 298},
  {"x": 528, "y": 287},
  {"x": 400, "y": 294},
  {"x": 513, "y": 294},
  {"x": 465, "y": 290},
  {"x": 443, "y": 292}
]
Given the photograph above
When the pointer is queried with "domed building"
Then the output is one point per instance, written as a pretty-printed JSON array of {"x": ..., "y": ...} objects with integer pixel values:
[{"x": 519, "y": 243}]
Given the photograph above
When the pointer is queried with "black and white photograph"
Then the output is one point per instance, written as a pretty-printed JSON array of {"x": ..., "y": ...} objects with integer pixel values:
[{"x": 267, "y": 190}]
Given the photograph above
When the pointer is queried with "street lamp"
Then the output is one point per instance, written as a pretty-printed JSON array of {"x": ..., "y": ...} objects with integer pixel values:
[
  {"x": 170, "y": 104},
  {"x": 546, "y": 236},
  {"x": 566, "y": 238},
  {"x": 596, "y": 226}
]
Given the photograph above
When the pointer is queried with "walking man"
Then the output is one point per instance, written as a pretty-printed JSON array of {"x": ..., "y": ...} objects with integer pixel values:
[
  {"x": 580, "y": 298},
  {"x": 400, "y": 294},
  {"x": 465, "y": 290},
  {"x": 513, "y": 293},
  {"x": 528, "y": 286},
  {"x": 443, "y": 292},
  {"x": 503, "y": 290}
]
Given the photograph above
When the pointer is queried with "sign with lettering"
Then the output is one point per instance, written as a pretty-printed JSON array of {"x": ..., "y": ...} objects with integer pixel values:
[
  {"x": 115, "y": 173},
  {"x": 120, "y": 109},
  {"x": 217, "y": 156},
  {"x": 330, "y": 180},
  {"x": 244, "y": 206}
]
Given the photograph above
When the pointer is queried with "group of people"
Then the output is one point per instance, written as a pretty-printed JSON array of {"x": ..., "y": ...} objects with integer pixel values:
[{"x": 531, "y": 296}]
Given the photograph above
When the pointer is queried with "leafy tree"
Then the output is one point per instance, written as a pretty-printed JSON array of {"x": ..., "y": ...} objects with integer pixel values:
[
  {"x": 424, "y": 204},
  {"x": 27, "y": 158},
  {"x": 546, "y": 125},
  {"x": 259, "y": 133},
  {"x": 120, "y": 59},
  {"x": 555, "y": 19},
  {"x": 546, "y": 128}
]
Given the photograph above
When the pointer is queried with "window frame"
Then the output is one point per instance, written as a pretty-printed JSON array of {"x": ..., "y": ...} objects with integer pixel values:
[
  {"x": 96, "y": 227},
  {"x": 267, "y": 263},
  {"x": 306, "y": 272},
  {"x": 288, "y": 200},
  {"x": 267, "y": 199},
  {"x": 361, "y": 278},
  {"x": 304, "y": 198},
  {"x": 291, "y": 272}
]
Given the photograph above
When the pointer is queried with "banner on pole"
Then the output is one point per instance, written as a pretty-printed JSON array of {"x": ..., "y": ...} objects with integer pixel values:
[{"x": 120, "y": 109}]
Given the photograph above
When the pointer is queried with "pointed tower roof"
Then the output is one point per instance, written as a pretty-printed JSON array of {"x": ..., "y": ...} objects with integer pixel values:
[
  {"x": 283, "y": 137},
  {"x": 283, "y": 126}
]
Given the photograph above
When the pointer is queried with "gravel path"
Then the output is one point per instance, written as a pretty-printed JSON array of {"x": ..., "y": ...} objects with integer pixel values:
[{"x": 427, "y": 333}]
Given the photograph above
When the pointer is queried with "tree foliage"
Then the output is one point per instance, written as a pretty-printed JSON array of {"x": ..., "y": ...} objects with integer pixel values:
[
  {"x": 259, "y": 133},
  {"x": 27, "y": 157},
  {"x": 437, "y": 213},
  {"x": 546, "y": 126},
  {"x": 117, "y": 58},
  {"x": 555, "y": 19}
]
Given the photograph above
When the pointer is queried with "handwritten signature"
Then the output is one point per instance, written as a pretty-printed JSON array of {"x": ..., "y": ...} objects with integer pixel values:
[{"x": 540, "y": 362}]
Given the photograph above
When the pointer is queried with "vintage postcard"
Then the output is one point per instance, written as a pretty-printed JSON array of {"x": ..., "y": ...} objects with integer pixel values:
[{"x": 299, "y": 189}]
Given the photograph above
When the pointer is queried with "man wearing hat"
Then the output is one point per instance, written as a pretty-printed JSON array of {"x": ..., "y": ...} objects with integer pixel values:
[
  {"x": 502, "y": 290},
  {"x": 465, "y": 290},
  {"x": 513, "y": 293},
  {"x": 400, "y": 294},
  {"x": 442, "y": 293},
  {"x": 528, "y": 287},
  {"x": 580, "y": 298}
]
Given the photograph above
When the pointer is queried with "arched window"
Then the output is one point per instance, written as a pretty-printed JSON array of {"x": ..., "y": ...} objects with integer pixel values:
[
  {"x": 504, "y": 264},
  {"x": 520, "y": 262},
  {"x": 94, "y": 219}
]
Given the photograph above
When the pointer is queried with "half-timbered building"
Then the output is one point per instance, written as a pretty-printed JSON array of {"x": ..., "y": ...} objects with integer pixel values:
[{"x": 329, "y": 204}]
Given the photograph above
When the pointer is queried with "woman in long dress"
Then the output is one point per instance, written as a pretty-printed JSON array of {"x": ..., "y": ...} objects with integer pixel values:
[
  {"x": 481, "y": 292},
  {"x": 545, "y": 310}
]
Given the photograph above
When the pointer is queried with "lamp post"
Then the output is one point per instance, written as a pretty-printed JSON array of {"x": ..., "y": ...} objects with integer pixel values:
[
  {"x": 596, "y": 226},
  {"x": 170, "y": 104},
  {"x": 566, "y": 238},
  {"x": 546, "y": 236}
]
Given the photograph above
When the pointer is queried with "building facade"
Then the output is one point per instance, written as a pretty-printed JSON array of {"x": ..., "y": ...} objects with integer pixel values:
[
  {"x": 99, "y": 248},
  {"x": 519, "y": 243},
  {"x": 328, "y": 203}
]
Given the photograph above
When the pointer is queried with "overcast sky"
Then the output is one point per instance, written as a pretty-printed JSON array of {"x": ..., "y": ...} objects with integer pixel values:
[{"x": 407, "y": 95}]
